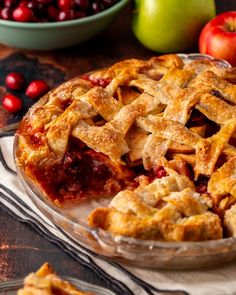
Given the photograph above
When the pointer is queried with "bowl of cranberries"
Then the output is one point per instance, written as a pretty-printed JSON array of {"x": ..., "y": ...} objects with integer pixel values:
[{"x": 53, "y": 24}]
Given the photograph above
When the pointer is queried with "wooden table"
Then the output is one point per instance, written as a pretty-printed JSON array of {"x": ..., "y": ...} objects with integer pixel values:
[{"x": 21, "y": 248}]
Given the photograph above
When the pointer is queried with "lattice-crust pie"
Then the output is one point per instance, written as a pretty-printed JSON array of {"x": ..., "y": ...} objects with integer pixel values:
[{"x": 156, "y": 136}]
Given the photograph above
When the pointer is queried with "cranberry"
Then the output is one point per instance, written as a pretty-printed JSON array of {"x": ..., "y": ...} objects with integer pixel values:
[
  {"x": 202, "y": 184},
  {"x": 52, "y": 13},
  {"x": 83, "y": 4},
  {"x": 108, "y": 3},
  {"x": 12, "y": 103},
  {"x": 79, "y": 14},
  {"x": 39, "y": 8},
  {"x": 6, "y": 13},
  {"x": 45, "y": 2},
  {"x": 202, "y": 188},
  {"x": 33, "y": 5},
  {"x": 15, "y": 81},
  {"x": 65, "y": 5},
  {"x": 103, "y": 82},
  {"x": 64, "y": 15},
  {"x": 9, "y": 3},
  {"x": 160, "y": 172},
  {"x": 100, "y": 170},
  {"x": 97, "y": 7},
  {"x": 86, "y": 77},
  {"x": 41, "y": 20},
  {"x": 36, "y": 89},
  {"x": 71, "y": 14},
  {"x": 24, "y": 3},
  {"x": 23, "y": 14}
]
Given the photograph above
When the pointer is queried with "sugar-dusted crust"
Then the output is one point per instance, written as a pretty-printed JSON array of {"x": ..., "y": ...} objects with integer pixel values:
[
  {"x": 183, "y": 217},
  {"x": 46, "y": 282},
  {"x": 158, "y": 135}
]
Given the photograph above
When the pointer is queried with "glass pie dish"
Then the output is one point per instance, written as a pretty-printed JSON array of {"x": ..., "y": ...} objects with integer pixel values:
[
  {"x": 143, "y": 253},
  {"x": 10, "y": 287}
]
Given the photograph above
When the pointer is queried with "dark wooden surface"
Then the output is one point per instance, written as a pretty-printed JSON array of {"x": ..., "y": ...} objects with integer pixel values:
[{"x": 23, "y": 250}]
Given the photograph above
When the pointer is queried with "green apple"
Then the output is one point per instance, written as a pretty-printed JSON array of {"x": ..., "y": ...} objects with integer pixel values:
[{"x": 170, "y": 25}]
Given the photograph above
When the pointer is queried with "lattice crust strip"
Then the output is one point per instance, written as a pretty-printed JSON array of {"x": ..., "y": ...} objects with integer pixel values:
[{"x": 160, "y": 113}]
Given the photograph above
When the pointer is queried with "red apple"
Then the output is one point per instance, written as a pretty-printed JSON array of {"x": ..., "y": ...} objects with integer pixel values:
[{"x": 218, "y": 37}]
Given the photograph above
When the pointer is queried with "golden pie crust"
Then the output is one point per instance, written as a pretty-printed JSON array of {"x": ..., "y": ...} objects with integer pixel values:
[
  {"x": 158, "y": 135},
  {"x": 46, "y": 282}
]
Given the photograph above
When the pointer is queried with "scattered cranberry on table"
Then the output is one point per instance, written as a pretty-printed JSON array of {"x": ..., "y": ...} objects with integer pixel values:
[
  {"x": 51, "y": 10},
  {"x": 36, "y": 89},
  {"x": 12, "y": 103},
  {"x": 15, "y": 81}
]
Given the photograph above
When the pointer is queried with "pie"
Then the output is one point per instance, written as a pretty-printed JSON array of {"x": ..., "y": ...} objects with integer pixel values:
[
  {"x": 156, "y": 136},
  {"x": 46, "y": 282}
]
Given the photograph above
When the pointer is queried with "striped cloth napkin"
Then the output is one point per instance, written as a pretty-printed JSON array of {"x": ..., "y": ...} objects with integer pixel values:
[{"x": 125, "y": 279}]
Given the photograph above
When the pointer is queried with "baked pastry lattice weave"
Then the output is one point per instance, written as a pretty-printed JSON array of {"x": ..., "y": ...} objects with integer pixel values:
[{"x": 159, "y": 135}]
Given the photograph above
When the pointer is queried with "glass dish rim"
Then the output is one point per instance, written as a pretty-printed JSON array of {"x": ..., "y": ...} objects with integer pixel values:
[
  {"x": 100, "y": 234},
  {"x": 83, "y": 285}
]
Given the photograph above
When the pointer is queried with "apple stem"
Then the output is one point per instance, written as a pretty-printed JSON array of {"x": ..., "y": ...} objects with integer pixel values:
[{"x": 230, "y": 24}]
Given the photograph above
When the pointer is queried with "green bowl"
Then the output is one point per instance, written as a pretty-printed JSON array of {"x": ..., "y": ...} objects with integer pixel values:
[{"x": 55, "y": 35}]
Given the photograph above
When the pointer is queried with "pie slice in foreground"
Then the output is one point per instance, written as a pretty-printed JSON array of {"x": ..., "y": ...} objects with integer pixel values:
[{"x": 46, "y": 282}]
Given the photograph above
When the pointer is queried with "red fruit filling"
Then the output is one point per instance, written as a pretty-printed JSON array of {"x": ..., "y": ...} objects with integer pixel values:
[{"x": 103, "y": 82}]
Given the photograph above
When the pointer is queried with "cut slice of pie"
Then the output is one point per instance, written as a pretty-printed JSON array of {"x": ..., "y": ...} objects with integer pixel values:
[
  {"x": 158, "y": 135},
  {"x": 46, "y": 282}
]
